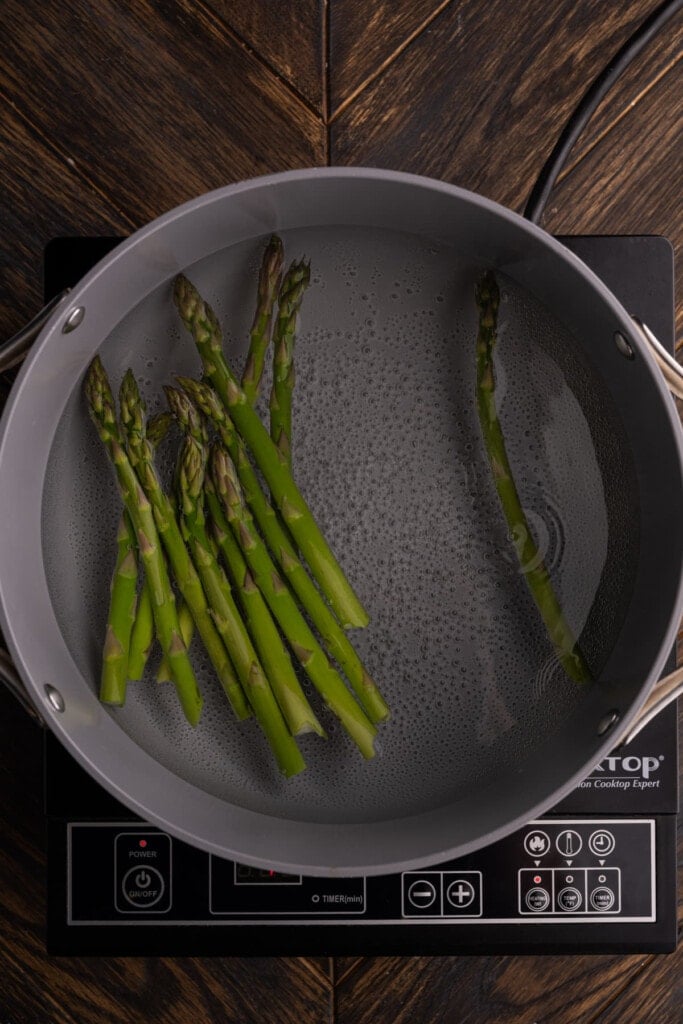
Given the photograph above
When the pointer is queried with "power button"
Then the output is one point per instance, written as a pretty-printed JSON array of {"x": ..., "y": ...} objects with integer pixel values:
[
  {"x": 143, "y": 872},
  {"x": 143, "y": 887}
]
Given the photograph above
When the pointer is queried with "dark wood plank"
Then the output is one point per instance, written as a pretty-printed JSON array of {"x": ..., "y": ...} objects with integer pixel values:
[
  {"x": 42, "y": 197},
  {"x": 289, "y": 36},
  {"x": 630, "y": 181},
  {"x": 479, "y": 990},
  {"x": 654, "y": 997},
  {"x": 366, "y": 36},
  {"x": 656, "y": 60},
  {"x": 156, "y": 101},
  {"x": 479, "y": 100}
]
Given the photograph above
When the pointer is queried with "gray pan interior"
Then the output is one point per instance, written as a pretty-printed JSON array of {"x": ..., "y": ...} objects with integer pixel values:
[{"x": 486, "y": 731}]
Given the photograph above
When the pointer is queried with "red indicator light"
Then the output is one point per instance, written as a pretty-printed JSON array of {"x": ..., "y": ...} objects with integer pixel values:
[
  {"x": 537, "y": 879},
  {"x": 142, "y": 843},
  {"x": 272, "y": 874}
]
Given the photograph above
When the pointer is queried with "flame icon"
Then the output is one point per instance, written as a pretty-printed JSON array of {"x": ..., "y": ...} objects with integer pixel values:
[{"x": 537, "y": 844}]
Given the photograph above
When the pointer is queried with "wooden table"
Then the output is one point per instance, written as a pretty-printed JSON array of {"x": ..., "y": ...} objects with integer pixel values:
[{"x": 117, "y": 110}]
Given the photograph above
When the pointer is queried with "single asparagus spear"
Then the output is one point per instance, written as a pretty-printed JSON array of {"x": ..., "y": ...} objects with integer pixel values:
[
  {"x": 533, "y": 568},
  {"x": 268, "y": 284},
  {"x": 336, "y": 641},
  {"x": 226, "y": 615},
  {"x": 275, "y": 659},
  {"x": 103, "y": 413},
  {"x": 187, "y": 632},
  {"x": 201, "y": 321},
  {"x": 120, "y": 618},
  {"x": 142, "y": 637},
  {"x": 186, "y": 576},
  {"x": 306, "y": 648},
  {"x": 294, "y": 285}
]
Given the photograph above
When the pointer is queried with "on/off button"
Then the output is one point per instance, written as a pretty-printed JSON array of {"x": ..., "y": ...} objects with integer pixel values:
[{"x": 143, "y": 887}]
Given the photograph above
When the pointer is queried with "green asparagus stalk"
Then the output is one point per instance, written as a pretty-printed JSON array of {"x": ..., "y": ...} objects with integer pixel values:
[
  {"x": 120, "y": 618},
  {"x": 201, "y": 321},
  {"x": 259, "y": 338},
  {"x": 186, "y": 576},
  {"x": 294, "y": 285},
  {"x": 306, "y": 648},
  {"x": 533, "y": 567},
  {"x": 226, "y": 614},
  {"x": 187, "y": 632},
  {"x": 102, "y": 410},
  {"x": 336, "y": 641},
  {"x": 142, "y": 636}
]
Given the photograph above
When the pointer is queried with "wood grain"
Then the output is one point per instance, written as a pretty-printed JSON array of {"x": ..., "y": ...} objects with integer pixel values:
[
  {"x": 366, "y": 36},
  {"x": 289, "y": 36},
  {"x": 480, "y": 101},
  {"x": 654, "y": 997},
  {"x": 155, "y": 100},
  {"x": 628, "y": 183},
  {"x": 657, "y": 59},
  {"x": 481, "y": 990},
  {"x": 42, "y": 197}
]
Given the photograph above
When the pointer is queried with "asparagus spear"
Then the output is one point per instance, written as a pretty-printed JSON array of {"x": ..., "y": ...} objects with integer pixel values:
[
  {"x": 120, "y": 618},
  {"x": 226, "y": 615},
  {"x": 268, "y": 284},
  {"x": 142, "y": 636},
  {"x": 187, "y": 578},
  {"x": 534, "y": 570},
  {"x": 289, "y": 302},
  {"x": 336, "y": 641},
  {"x": 326, "y": 680},
  {"x": 187, "y": 632},
  {"x": 201, "y": 321},
  {"x": 102, "y": 410}
]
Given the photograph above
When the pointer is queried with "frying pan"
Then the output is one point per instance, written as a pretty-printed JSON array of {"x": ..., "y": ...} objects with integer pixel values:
[{"x": 486, "y": 731}]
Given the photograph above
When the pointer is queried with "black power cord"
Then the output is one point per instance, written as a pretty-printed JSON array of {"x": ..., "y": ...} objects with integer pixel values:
[{"x": 583, "y": 112}]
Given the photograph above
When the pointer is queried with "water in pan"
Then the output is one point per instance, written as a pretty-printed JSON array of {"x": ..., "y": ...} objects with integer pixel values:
[{"x": 387, "y": 450}]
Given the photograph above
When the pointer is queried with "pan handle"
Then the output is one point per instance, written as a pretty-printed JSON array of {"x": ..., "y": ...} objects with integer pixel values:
[
  {"x": 672, "y": 371},
  {"x": 15, "y": 348},
  {"x": 12, "y": 680},
  {"x": 664, "y": 692}
]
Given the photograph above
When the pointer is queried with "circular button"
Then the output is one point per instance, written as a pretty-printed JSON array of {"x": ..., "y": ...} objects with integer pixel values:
[
  {"x": 536, "y": 843},
  {"x": 602, "y": 899},
  {"x": 569, "y": 899},
  {"x": 422, "y": 894},
  {"x": 537, "y": 900},
  {"x": 460, "y": 893},
  {"x": 143, "y": 886},
  {"x": 601, "y": 843}
]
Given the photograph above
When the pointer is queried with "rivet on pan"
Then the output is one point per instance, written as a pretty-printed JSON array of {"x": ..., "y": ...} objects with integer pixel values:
[
  {"x": 54, "y": 698},
  {"x": 74, "y": 318},
  {"x": 623, "y": 345},
  {"x": 607, "y": 721}
]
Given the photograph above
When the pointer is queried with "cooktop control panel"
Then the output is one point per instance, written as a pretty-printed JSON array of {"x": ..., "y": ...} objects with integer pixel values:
[{"x": 558, "y": 870}]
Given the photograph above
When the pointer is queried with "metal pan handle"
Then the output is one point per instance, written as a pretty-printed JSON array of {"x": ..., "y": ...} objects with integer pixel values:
[
  {"x": 672, "y": 371},
  {"x": 663, "y": 693},
  {"x": 12, "y": 680},
  {"x": 15, "y": 348}
]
